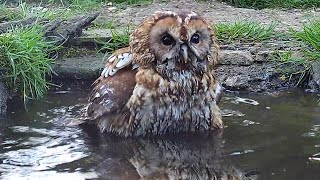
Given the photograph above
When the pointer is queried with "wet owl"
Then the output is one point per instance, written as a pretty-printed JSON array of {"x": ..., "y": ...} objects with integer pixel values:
[{"x": 163, "y": 82}]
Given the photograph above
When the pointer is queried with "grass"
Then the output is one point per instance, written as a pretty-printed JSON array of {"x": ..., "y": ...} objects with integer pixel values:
[
  {"x": 53, "y": 9},
  {"x": 120, "y": 38},
  {"x": 310, "y": 36},
  {"x": 10, "y": 14},
  {"x": 261, "y": 4},
  {"x": 291, "y": 66},
  {"x": 24, "y": 54},
  {"x": 129, "y": 1},
  {"x": 244, "y": 31},
  {"x": 58, "y": 9},
  {"x": 78, "y": 52},
  {"x": 111, "y": 24}
]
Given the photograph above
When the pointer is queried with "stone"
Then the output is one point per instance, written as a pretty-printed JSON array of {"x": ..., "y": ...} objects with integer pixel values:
[
  {"x": 4, "y": 95},
  {"x": 264, "y": 56},
  {"x": 240, "y": 58},
  {"x": 78, "y": 68},
  {"x": 236, "y": 82},
  {"x": 93, "y": 39},
  {"x": 316, "y": 75},
  {"x": 255, "y": 78}
]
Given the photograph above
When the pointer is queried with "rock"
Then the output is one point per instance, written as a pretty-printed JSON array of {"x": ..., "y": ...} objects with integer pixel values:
[
  {"x": 237, "y": 82},
  {"x": 315, "y": 84},
  {"x": 227, "y": 47},
  {"x": 78, "y": 68},
  {"x": 254, "y": 78},
  {"x": 241, "y": 58},
  {"x": 263, "y": 56},
  {"x": 92, "y": 39},
  {"x": 4, "y": 95}
]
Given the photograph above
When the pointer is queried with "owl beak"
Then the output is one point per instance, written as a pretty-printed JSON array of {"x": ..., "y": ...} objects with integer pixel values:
[{"x": 184, "y": 52}]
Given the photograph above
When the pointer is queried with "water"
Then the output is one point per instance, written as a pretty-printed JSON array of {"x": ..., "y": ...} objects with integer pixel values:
[{"x": 269, "y": 136}]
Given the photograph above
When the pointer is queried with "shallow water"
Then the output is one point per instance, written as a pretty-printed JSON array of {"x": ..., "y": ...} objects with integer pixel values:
[{"x": 269, "y": 136}]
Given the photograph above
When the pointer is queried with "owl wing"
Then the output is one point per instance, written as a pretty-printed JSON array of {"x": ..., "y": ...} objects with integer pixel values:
[
  {"x": 114, "y": 87},
  {"x": 119, "y": 59}
]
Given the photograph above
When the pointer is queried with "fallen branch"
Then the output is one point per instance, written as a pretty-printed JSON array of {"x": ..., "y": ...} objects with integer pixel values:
[
  {"x": 7, "y": 26},
  {"x": 63, "y": 31},
  {"x": 59, "y": 31}
]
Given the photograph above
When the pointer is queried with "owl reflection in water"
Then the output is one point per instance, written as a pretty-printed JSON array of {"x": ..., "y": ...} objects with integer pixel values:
[{"x": 163, "y": 82}]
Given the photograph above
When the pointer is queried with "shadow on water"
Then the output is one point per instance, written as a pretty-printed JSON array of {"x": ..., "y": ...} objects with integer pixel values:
[{"x": 269, "y": 136}]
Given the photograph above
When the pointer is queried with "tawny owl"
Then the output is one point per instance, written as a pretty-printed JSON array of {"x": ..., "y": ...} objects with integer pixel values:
[{"x": 163, "y": 82}]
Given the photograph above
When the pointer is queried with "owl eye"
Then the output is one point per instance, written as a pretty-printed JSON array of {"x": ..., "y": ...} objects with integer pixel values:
[
  {"x": 195, "y": 39},
  {"x": 167, "y": 40}
]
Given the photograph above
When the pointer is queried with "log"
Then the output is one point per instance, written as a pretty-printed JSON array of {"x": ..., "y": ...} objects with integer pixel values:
[
  {"x": 64, "y": 31},
  {"x": 59, "y": 31},
  {"x": 7, "y": 26}
]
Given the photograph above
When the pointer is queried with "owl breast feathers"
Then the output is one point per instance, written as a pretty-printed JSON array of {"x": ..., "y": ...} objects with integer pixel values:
[{"x": 163, "y": 82}]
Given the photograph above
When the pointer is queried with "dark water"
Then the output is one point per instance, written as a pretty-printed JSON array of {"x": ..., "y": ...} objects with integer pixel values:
[{"x": 268, "y": 137}]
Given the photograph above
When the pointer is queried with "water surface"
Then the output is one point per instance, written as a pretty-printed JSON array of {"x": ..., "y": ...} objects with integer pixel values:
[{"x": 269, "y": 136}]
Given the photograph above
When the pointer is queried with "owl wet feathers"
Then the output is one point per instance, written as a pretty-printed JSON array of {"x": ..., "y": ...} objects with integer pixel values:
[{"x": 163, "y": 82}]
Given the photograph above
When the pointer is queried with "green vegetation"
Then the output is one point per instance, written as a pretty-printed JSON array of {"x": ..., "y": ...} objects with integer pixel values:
[
  {"x": 292, "y": 67},
  {"x": 24, "y": 54},
  {"x": 105, "y": 25},
  {"x": 301, "y": 66},
  {"x": 78, "y": 52},
  {"x": 120, "y": 38},
  {"x": 310, "y": 36},
  {"x": 261, "y": 4},
  {"x": 10, "y": 14},
  {"x": 244, "y": 31}
]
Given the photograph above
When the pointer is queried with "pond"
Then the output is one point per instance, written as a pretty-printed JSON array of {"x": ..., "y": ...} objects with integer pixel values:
[{"x": 269, "y": 136}]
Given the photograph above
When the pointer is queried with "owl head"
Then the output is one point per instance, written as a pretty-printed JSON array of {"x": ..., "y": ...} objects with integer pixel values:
[{"x": 174, "y": 42}]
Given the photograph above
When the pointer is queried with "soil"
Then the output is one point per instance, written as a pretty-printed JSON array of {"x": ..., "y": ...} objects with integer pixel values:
[{"x": 213, "y": 11}]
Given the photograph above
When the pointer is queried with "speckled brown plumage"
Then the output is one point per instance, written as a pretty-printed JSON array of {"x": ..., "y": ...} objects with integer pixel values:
[{"x": 163, "y": 83}]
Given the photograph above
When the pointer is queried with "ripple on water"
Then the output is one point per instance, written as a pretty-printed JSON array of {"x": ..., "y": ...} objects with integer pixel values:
[
  {"x": 238, "y": 100},
  {"x": 315, "y": 158},
  {"x": 230, "y": 112},
  {"x": 247, "y": 122},
  {"x": 39, "y": 149},
  {"x": 314, "y": 131},
  {"x": 237, "y": 153}
]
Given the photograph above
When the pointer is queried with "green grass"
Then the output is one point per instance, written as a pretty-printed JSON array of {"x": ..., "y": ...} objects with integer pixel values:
[
  {"x": 53, "y": 10},
  {"x": 78, "y": 52},
  {"x": 120, "y": 38},
  {"x": 293, "y": 69},
  {"x": 244, "y": 31},
  {"x": 310, "y": 36},
  {"x": 24, "y": 54},
  {"x": 261, "y": 4},
  {"x": 130, "y": 1},
  {"x": 291, "y": 66},
  {"x": 111, "y": 24},
  {"x": 10, "y": 14}
]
